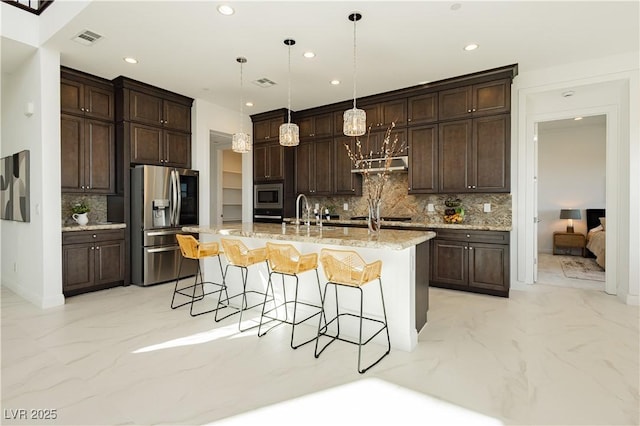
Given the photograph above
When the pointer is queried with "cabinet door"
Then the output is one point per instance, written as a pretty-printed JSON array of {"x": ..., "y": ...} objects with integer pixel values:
[
  {"x": 423, "y": 109},
  {"x": 450, "y": 260},
  {"x": 177, "y": 149},
  {"x": 345, "y": 182},
  {"x": 489, "y": 266},
  {"x": 71, "y": 97},
  {"x": 454, "y": 155},
  {"x": 455, "y": 103},
  {"x": 260, "y": 162},
  {"x": 98, "y": 102},
  {"x": 274, "y": 128},
  {"x": 145, "y": 108},
  {"x": 306, "y": 127},
  {"x": 491, "y": 158},
  {"x": 322, "y": 162},
  {"x": 77, "y": 266},
  {"x": 493, "y": 97},
  {"x": 373, "y": 116},
  {"x": 72, "y": 153},
  {"x": 276, "y": 160},
  {"x": 99, "y": 157},
  {"x": 109, "y": 262},
  {"x": 304, "y": 168},
  {"x": 146, "y": 145},
  {"x": 323, "y": 125},
  {"x": 260, "y": 131},
  {"x": 177, "y": 116},
  {"x": 393, "y": 112},
  {"x": 423, "y": 159}
]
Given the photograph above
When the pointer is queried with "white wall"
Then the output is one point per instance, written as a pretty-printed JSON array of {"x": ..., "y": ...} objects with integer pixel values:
[
  {"x": 571, "y": 174},
  {"x": 608, "y": 86},
  {"x": 31, "y": 252}
]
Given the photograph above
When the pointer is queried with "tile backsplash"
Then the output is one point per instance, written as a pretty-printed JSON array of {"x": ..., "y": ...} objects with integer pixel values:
[
  {"x": 397, "y": 202},
  {"x": 97, "y": 204}
]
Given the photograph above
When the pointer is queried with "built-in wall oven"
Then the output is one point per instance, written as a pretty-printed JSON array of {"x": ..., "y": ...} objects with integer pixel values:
[{"x": 268, "y": 202}]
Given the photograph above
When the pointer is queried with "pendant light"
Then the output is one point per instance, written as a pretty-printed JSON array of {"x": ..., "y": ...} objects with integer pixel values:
[
  {"x": 240, "y": 142},
  {"x": 355, "y": 120},
  {"x": 289, "y": 132}
]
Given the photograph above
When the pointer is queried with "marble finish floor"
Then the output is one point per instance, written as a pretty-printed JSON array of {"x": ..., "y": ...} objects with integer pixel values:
[
  {"x": 546, "y": 356},
  {"x": 550, "y": 272}
]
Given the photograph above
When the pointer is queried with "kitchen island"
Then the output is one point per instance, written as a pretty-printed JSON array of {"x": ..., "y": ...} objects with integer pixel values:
[{"x": 405, "y": 270}]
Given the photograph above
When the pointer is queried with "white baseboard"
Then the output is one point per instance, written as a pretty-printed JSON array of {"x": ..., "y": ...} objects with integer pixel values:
[{"x": 34, "y": 298}]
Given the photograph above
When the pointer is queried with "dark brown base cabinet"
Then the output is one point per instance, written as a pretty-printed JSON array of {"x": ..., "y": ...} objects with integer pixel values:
[
  {"x": 92, "y": 260},
  {"x": 476, "y": 261}
]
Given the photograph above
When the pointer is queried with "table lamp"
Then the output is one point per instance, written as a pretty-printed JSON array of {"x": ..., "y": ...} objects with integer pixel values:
[{"x": 570, "y": 214}]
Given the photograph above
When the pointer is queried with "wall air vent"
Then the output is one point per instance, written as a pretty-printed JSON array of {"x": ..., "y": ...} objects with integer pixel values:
[
  {"x": 264, "y": 82},
  {"x": 87, "y": 38}
]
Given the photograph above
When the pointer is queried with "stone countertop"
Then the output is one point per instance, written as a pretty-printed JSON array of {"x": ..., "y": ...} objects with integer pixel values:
[
  {"x": 416, "y": 225},
  {"x": 94, "y": 227},
  {"x": 330, "y": 235}
]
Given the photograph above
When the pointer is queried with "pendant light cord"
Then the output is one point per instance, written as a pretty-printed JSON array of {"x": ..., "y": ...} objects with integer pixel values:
[
  {"x": 354, "y": 63},
  {"x": 289, "y": 90},
  {"x": 241, "y": 99}
]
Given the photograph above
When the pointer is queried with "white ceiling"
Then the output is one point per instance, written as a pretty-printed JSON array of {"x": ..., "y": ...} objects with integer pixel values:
[{"x": 189, "y": 48}]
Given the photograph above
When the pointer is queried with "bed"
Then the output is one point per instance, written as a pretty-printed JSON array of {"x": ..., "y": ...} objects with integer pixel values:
[{"x": 596, "y": 228}]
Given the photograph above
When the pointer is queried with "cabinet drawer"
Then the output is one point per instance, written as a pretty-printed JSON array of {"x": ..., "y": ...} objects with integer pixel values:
[
  {"x": 77, "y": 237},
  {"x": 495, "y": 237}
]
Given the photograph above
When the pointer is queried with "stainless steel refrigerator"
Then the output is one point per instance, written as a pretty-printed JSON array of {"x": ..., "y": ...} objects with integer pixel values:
[{"x": 163, "y": 200}]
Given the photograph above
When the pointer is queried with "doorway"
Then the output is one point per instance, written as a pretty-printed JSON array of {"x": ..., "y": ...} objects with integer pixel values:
[
  {"x": 571, "y": 174},
  {"x": 226, "y": 180}
]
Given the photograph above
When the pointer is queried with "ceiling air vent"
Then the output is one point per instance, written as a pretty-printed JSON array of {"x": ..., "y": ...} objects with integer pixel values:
[
  {"x": 264, "y": 82},
  {"x": 87, "y": 37}
]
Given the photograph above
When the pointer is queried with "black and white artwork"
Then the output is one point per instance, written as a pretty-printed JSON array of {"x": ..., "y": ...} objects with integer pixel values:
[{"x": 14, "y": 187}]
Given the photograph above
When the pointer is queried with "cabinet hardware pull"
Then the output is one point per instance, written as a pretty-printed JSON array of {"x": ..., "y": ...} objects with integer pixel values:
[
  {"x": 468, "y": 236},
  {"x": 97, "y": 248},
  {"x": 92, "y": 248}
]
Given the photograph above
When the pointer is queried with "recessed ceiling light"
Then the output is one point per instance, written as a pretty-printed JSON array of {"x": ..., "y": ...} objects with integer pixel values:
[
  {"x": 249, "y": 104},
  {"x": 578, "y": 118},
  {"x": 335, "y": 82},
  {"x": 130, "y": 60},
  {"x": 470, "y": 47},
  {"x": 309, "y": 55},
  {"x": 226, "y": 10}
]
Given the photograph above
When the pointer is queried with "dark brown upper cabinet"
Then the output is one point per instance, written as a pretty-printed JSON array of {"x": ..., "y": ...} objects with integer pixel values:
[
  {"x": 314, "y": 167},
  {"x": 156, "y": 111},
  {"x": 315, "y": 126},
  {"x": 422, "y": 109},
  {"x": 268, "y": 162},
  {"x": 423, "y": 159},
  {"x": 157, "y": 146},
  {"x": 345, "y": 182},
  {"x": 474, "y": 155},
  {"x": 85, "y": 95},
  {"x": 493, "y": 97},
  {"x": 381, "y": 115},
  {"x": 267, "y": 130}
]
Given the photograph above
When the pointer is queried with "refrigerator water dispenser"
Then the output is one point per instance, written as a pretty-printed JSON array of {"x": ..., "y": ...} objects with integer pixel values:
[{"x": 161, "y": 213}]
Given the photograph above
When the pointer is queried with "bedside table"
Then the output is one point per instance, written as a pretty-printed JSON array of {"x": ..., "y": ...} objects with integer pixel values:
[{"x": 568, "y": 240}]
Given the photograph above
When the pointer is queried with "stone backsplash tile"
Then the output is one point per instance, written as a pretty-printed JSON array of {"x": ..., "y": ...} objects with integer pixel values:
[
  {"x": 397, "y": 202},
  {"x": 97, "y": 204}
]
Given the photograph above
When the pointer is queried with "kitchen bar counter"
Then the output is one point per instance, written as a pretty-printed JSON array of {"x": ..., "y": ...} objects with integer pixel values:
[
  {"x": 94, "y": 227},
  {"x": 405, "y": 270}
]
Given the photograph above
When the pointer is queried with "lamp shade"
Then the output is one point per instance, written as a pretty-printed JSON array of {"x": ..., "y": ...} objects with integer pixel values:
[{"x": 570, "y": 214}]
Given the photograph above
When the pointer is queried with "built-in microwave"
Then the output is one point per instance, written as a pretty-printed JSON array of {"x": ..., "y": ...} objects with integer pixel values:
[{"x": 268, "y": 196}]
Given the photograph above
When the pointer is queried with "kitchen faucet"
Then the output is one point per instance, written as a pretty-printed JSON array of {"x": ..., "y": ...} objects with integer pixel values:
[{"x": 306, "y": 203}]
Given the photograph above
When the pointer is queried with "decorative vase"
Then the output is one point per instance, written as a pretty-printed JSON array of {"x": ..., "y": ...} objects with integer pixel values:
[
  {"x": 374, "y": 221},
  {"x": 80, "y": 218}
]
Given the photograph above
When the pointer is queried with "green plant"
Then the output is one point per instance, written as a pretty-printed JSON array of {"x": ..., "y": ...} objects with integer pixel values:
[{"x": 80, "y": 207}]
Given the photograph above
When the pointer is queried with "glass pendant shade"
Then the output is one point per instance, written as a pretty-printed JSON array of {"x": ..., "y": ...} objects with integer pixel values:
[
  {"x": 289, "y": 134},
  {"x": 241, "y": 143},
  {"x": 355, "y": 122}
]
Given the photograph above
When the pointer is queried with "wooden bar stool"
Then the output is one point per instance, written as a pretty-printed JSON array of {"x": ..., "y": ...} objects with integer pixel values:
[
  {"x": 347, "y": 269},
  {"x": 193, "y": 249},
  {"x": 241, "y": 257},
  {"x": 285, "y": 260}
]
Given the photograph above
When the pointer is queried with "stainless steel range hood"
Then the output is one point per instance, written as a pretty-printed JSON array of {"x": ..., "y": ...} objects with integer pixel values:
[{"x": 397, "y": 164}]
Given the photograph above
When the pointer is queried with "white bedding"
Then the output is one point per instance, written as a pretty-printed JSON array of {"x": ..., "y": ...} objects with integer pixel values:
[{"x": 596, "y": 244}]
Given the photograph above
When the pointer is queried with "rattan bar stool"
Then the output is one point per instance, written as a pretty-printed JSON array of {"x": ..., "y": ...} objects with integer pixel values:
[
  {"x": 241, "y": 257},
  {"x": 193, "y": 249},
  {"x": 347, "y": 269},
  {"x": 285, "y": 260}
]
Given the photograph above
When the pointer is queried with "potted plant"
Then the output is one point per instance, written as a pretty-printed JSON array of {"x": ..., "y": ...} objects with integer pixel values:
[{"x": 80, "y": 210}]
